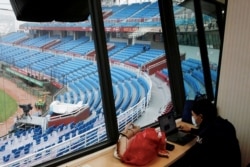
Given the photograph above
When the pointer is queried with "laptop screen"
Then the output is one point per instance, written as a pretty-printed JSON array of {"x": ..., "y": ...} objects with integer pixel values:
[{"x": 167, "y": 122}]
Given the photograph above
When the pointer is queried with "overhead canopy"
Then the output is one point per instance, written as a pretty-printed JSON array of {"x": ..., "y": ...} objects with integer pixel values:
[{"x": 50, "y": 10}]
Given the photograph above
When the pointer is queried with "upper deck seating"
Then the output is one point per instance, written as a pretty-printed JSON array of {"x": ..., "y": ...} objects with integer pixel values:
[{"x": 14, "y": 36}]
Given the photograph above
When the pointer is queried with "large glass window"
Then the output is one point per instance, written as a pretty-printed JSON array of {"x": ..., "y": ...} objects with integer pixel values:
[
  {"x": 67, "y": 88},
  {"x": 137, "y": 61},
  {"x": 51, "y": 101},
  {"x": 206, "y": 49}
]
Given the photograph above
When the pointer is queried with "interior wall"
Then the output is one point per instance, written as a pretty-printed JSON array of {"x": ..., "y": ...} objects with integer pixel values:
[{"x": 234, "y": 88}]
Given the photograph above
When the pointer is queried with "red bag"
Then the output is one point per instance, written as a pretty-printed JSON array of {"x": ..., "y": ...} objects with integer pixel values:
[
  {"x": 125, "y": 138},
  {"x": 143, "y": 147}
]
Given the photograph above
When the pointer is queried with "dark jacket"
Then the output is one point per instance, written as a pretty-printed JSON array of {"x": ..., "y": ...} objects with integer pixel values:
[{"x": 217, "y": 145}]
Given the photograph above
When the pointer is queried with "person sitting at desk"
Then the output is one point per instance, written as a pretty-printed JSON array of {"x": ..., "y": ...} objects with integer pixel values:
[{"x": 217, "y": 143}]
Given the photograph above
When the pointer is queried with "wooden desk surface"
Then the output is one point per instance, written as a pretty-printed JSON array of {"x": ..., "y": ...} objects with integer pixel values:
[{"x": 105, "y": 158}]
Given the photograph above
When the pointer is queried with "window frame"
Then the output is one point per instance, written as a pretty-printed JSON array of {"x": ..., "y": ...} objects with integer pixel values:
[{"x": 173, "y": 63}]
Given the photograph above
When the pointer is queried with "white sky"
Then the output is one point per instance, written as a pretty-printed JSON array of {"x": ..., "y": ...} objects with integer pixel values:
[
  {"x": 5, "y": 4},
  {"x": 8, "y": 21}
]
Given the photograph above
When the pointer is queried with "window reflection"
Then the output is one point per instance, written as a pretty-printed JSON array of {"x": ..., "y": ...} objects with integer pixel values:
[{"x": 189, "y": 45}]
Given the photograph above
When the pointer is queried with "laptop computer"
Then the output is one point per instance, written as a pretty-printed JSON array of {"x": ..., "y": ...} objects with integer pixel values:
[{"x": 173, "y": 134}]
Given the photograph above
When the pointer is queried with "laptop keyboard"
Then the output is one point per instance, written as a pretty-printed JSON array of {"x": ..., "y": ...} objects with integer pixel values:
[{"x": 180, "y": 138}]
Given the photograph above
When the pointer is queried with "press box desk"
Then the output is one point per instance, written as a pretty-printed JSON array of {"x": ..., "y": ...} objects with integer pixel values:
[{"x": 105, "y": 158}]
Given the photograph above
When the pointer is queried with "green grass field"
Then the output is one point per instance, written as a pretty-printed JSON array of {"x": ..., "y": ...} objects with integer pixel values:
[{"x": 8, "y": 106}]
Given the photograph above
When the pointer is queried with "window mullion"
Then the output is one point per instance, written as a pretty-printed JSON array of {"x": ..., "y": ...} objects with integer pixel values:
[
  {"x": 203, "y": 49},
  {"x": 172, "y": 54},
  {"x": 103, "y": 70}
]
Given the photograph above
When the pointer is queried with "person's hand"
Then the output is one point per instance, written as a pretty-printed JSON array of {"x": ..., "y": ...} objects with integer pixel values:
[{"x": 184, "y": 127}]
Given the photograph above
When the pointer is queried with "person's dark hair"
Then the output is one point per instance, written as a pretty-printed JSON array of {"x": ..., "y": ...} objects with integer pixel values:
[{"x": 206, "y": 108}]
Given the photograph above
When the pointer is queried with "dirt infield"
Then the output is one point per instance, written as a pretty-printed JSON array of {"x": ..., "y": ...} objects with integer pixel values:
[{"x": 20, "y": 96}]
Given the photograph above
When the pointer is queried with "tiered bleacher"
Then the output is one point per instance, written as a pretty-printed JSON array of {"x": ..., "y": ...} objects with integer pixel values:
[{"x": 193, "y": 77}]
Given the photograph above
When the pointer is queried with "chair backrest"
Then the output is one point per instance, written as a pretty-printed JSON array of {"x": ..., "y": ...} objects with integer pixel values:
[{"x": 186, "y": 114}]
